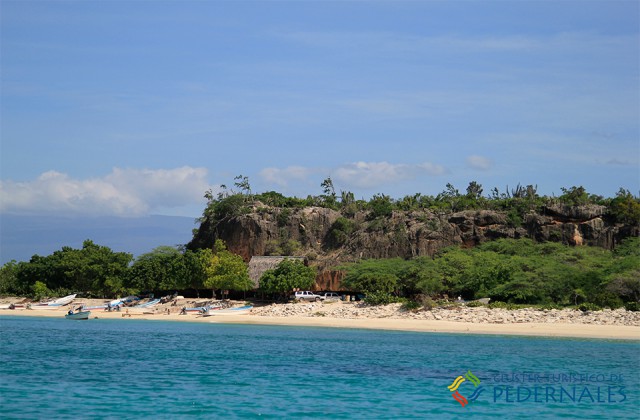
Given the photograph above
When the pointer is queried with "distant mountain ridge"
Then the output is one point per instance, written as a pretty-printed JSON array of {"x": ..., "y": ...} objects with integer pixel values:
[{"x": 21, "y": 237}]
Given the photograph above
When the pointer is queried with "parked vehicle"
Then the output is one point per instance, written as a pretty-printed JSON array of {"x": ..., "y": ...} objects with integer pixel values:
[
  {"x": 329, "y": 296},
  {"x": 306, "y": 295}
]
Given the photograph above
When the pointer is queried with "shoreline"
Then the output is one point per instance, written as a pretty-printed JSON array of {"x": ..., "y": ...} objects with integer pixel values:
[{"x": 531, "y": 329}]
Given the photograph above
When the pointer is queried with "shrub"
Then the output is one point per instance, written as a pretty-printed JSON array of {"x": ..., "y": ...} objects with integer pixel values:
[
  {"x": 475, "y": 304},
  {"x": 381, "y": 298},
  {"x": 632, "y": 306},
  {"x": 411, "y": 305},
  {"x": 549, "y": 306},
  {"x": 503, "y": 305},
  {"x": 283, "y": 217},
  {"x": 340, "y": 231},
  {"x": 40, "y": 290},
  {"x": 588, "y": 306},
  {"x": 380, "y": 205},
  {"x": 426, "y": 302}
]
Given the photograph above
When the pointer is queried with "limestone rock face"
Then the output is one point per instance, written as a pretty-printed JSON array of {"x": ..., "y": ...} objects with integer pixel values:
[
  {"x": 251, "y": 234},
  {"x": 402, "y": 234}
]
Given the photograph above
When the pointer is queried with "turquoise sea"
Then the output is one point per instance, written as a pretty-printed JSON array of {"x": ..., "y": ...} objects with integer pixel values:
[{"x": 56, "y": 368}]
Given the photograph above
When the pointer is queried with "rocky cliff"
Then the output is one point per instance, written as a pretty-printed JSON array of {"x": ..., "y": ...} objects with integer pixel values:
[{"x": 328, "y": 238}]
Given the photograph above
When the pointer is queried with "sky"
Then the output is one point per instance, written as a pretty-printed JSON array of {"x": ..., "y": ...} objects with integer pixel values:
[{"x": 131, "y": 108}]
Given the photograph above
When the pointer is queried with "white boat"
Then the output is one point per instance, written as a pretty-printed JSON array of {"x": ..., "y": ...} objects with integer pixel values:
[
  {"x": 58, "y": 302},
  {"x": 241, "y": 310},
  {"x": 149, "y": 304},
  {"x": 42, "y": 307},
  {"x": 95, "y": 308},
  {"x": 78, "y": 315}
]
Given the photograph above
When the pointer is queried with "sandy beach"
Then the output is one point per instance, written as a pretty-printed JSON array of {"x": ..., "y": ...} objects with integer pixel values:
[{"x": 606, "y": 324}]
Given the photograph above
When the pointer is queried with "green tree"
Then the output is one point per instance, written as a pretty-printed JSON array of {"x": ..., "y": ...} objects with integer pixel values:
[
  {"x": 454, "y": 265},
  {"x": 289, "y": 275},
  {"x": 574, "y": 196},
  {"x": 94, "y": 269},
  {"x": 226, "y": 270},
  {"x": 474, "y": 190},
  {"x": 329, "y": 193},
  {"x": 339, "y": 232},
  {"x": 380, "y": 205},
  {"x": 374, "y": 276},
  {"x": 625, "y": 208},
  {"x": 9, "y": 284},
  {"x": 422, "y": 275},
  {"x": 196, "y": 263},
  {"x": 242, "y": 182},
  {"x": 160, "y": 269},
  {"x": 40, "y": 290}
]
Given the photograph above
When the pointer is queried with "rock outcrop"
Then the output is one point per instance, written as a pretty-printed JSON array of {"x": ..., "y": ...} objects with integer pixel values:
[
  {"x": 402, "y": 234},
  {"x": 455, "y": 313}
]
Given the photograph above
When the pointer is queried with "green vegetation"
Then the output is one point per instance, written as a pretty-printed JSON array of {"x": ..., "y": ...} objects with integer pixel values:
[
  {"x": 339, "y": 232},
  {"x": 287, "y": 276},
  {"x": 96, "y": 271},
  {"x": 93, "y": 269},
  {"x": 226, "y": 270},
  {"x": 511, "y": 272},
  {"x": 516, "y": 202}
]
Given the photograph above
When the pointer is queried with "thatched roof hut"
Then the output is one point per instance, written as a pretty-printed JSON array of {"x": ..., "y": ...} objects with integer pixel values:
[{"x": 259, "y": 264}]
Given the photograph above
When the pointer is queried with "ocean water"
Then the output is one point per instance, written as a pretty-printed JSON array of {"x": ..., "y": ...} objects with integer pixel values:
[{"x": 56, "y": 368}]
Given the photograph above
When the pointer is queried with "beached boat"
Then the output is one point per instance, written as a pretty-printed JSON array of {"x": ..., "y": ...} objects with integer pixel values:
[
  {"x": 46, "y": 307},
  {"x": 203, "y": 309},
  {"x": 58, "y": 302},
  {"x": 95, "y": 308},
  {"x": 149, "y": 304},
  {"x": 241, "y": 310},
  {"x": 78, "y": 315}
]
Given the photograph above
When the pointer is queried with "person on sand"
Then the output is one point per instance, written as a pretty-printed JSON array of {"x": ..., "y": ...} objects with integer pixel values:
[
  {"x": 183, "y": 311},
  {"x": 70, "y": 312}
]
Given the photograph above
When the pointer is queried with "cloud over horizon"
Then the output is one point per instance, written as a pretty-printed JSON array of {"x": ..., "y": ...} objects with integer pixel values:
[
  {"x": 123, "y": 192},
  {"x": 359, "y": 174},
  {"x": 479, "y": 163},
  {"x": 375, "y": 174}
]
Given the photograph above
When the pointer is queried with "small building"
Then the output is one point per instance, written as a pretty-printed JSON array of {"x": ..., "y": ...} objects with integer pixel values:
[{"x": 259, "y": 264}]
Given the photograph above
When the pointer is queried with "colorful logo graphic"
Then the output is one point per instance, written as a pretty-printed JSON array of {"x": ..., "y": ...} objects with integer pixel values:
[{"x": 456, "y": 384}]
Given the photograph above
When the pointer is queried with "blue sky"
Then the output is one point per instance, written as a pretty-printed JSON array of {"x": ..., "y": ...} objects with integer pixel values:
[{"x": 138, "y": 107}]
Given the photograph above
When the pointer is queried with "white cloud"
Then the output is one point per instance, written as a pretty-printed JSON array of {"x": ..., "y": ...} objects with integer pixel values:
[
  {"x": 123, "y": 192},
  {"x": 376, "y": 42},
  {"x": 374, "y": 174},
  {"x": 620, "y": 162},
  {"x": 479, "y": 163},
  {"x": 283, "y": 177},
  {"x": 366, "y": 175}
]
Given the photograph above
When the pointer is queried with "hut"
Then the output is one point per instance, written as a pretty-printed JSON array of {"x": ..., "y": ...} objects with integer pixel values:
[{"x": 259, "y": 264}]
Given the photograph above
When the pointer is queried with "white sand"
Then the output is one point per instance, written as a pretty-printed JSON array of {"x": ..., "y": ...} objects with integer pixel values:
[{"x": 529, "y": 329}]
